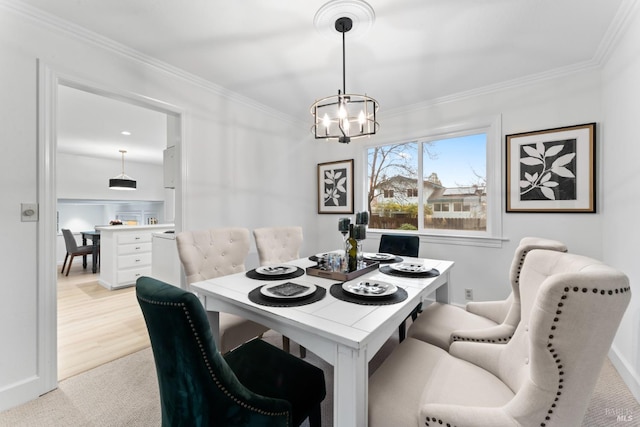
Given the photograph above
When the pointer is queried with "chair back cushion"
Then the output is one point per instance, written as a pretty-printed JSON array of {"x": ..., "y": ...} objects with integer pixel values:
[
  {"x": 278, "y": 244},
  {"x": 527, "y": 244},
  {"x": 212, "y": 253},
  {"x": 571, "y": 307},
  {"x": 399, "y": 244},
  {"x": 69, "y": 241},
  {"x": 197, "y": 387}
]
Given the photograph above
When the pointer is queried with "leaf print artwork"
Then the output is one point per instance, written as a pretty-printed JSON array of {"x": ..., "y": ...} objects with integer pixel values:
[
  {"x": 335, "y": 190},
  {"x": 548, "y": 170}
]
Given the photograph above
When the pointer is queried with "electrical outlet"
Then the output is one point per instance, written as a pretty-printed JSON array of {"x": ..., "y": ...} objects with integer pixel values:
[{"x": 468, "y": 294}]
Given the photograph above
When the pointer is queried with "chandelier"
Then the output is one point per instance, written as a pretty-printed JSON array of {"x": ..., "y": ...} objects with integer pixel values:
[{"x": 344, "y": 116}]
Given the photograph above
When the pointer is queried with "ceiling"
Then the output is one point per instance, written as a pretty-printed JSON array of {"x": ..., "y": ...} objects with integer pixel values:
[{"x": 416, "y": 51}]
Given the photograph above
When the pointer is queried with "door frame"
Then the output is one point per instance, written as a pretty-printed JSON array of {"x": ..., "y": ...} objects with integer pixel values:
[{"x": 49, "y": 79}]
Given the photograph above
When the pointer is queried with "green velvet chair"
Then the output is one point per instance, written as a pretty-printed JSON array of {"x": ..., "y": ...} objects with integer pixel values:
[{"x": 256, "y": 384}]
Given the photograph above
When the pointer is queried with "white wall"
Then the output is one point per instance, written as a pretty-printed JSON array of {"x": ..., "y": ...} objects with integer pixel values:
[
  {"x": 240, "y": 159},
  {"x": 83, "y": 177},
  {"x": 620, "y": 195}
]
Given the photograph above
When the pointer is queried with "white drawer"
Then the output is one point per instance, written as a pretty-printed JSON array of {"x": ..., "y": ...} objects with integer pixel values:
[
  {"x": 130, "y": 276},
  {"x": 134, "y": 248},
  {"x": 135, "y": 260},
  {"x": 126, "y": 238}
]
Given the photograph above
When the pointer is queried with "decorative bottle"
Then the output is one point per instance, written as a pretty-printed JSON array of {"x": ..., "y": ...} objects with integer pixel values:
[{"x": 352, "y": 251}]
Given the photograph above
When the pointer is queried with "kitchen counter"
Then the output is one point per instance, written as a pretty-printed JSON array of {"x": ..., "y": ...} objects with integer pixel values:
[
  {"x": 151, "y": 227},
  {"x": 125, "y": 253}
]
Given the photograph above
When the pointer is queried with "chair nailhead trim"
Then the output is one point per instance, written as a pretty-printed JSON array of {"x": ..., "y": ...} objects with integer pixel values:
[
  {"x": 553, "y": 327},
  {"x": 207, "y": 362},
  {"x": 492, "y": 340}
]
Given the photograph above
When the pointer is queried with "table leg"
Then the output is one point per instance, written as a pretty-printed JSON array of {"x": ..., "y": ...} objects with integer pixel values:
[
  {"x": 94, "y": 255},
  {"x": 84, "y": 257},
  {"x": 214, "y": 322},
  {"x": 350, "y": 388},
  {"x": 442, "y": 292}
]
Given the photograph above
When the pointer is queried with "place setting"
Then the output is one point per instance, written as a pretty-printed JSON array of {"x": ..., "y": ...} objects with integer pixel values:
[
  {"x": 368, "y": 292},
  {"x": 288, "y": 294},
  {"x": 409, "y": 269},
  {"x": 382, "y": 258},
  {"x": 275, "y": 272}
]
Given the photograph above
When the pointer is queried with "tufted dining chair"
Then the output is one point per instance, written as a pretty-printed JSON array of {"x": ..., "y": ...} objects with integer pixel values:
[
  {"x": 489, "y": 321},
  {"x": 73, "y": 250},
  {"x": 277, "y": 245},
  {"x": 216, "y": 252},
  {"x": 256, "y": 384},
  {"x": 570, "y": 309}
]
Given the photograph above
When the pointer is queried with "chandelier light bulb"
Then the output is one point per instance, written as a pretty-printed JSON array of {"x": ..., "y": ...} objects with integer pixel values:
[
  {"x": 342, "y": 112},
  {"x": 326, "y": 121},
  {"x": 346, "y": 124}
]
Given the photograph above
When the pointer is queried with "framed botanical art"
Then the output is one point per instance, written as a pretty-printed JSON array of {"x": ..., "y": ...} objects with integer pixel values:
[
  {"x": 335, "y": 187},
  {"x": 552, "y": 170}
]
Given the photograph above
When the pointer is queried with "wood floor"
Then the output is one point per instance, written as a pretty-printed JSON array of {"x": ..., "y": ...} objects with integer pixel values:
[{"x": 95, "y": 325}]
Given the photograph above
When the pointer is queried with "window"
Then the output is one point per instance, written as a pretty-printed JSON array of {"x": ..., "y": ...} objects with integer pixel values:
[
  {"x": 455, "y": 195},
  {"x": 388, "y": 194}
]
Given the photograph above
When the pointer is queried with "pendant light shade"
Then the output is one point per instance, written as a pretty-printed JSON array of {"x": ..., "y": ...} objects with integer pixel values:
[
  {"x": 344, "y": 116},
  {"x": 122, "y": 181}
]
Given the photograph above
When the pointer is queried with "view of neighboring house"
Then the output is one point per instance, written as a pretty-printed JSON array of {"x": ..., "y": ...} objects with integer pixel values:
[{"x": 446, "y": 207}]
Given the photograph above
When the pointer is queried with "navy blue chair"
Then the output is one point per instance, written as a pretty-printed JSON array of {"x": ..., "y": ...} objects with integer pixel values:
[{"x": 402, "y": 245}]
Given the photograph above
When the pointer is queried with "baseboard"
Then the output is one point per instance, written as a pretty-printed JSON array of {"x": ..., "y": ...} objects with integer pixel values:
[{"x": 626, "y": 371}]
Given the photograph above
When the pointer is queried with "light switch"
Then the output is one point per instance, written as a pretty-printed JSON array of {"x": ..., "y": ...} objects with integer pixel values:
[{"x": 29, "y": 212}]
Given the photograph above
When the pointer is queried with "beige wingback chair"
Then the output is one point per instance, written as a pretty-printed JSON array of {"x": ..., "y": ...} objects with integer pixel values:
[
  {"x": 484, "y": 321},
  {"x": 213, "y": 253},
  {"x": 571, "y": 307},
  {"x": 278, "y": 245}
]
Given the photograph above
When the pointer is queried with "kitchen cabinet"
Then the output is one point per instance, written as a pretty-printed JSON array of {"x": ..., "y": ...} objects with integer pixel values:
[{"x": 126, "y": 253}]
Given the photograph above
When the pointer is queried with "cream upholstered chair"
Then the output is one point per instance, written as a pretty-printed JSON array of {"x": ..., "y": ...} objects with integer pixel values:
[
  {"x": 218, "y": 252},
  {"x": 277, "y": 245},
  {"x": 571, "y": 307},
  {"x": 488, "y": 321}
]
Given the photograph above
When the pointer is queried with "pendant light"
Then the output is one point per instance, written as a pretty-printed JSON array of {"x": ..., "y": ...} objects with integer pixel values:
[
  {"x": 122, "y": 181},
  {"x": 344, "y": 116}
]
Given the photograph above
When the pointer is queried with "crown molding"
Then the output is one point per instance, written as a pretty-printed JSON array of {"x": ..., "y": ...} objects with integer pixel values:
[
  {"x": 497, "y": 87},
  {"x": 57, "y": 24}
]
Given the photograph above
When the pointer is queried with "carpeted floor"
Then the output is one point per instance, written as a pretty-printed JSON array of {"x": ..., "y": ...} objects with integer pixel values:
[{"x": 125, "y": 393}]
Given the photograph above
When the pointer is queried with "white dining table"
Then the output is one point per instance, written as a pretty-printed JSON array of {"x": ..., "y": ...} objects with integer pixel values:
[{"x": 345, "y": 334}]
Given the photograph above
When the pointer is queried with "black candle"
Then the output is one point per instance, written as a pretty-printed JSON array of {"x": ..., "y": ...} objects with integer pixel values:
[{"x": 343, "y": 225}]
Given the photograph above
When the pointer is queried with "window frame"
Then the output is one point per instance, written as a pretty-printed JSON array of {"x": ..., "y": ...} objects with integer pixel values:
[{"x": 492, "y": 127}]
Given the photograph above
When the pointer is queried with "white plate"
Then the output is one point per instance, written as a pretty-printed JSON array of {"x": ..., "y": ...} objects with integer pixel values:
[
  {"x": 378, "y": 256},
  {"x": 410, "y": 267},
  {"x": 287, "y": 290},
  {"x": 370, "y": 288},
  {"x": 324, "y": 254},
  {"x": 276, "y": 270}
]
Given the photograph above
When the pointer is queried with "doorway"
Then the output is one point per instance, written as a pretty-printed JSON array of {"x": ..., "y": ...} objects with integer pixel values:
[
  {"x": 50, "y": 83},
  {"x": 97, "y": 325}
]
